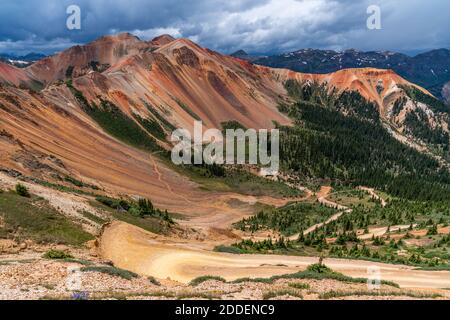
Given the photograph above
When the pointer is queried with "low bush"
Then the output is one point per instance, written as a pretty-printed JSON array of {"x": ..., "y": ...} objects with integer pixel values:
[
  {"x": 113, "y": 271},
  {"x": 314, "y": 272},
  {"x": 22, "y": 191},
  {"x": 201, "y": 279},
  {"x": 319, "y": 268},
  {"x": 57, "y": 255},
  {"x": 154, "y": 281},
  {"x": 376, "y": 293},
  {"x": 282, "y": 292},
  {"x": 227, "y": 249},
  {"x": 300, "y": 286}
]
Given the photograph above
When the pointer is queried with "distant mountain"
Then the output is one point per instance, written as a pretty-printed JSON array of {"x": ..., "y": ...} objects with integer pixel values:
[
  {"x": 33, "y": 56},
  {"x": 430, "y": 70},
  {"x": 21, "y": 61},
  {"x": 241, "y": 54}
]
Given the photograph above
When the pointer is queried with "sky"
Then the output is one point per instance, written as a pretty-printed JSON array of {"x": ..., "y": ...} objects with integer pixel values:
[{"x": 257, "y": 26}]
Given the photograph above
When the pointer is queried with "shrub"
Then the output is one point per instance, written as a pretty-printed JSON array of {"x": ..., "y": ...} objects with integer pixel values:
[
  {"x": 22, "y": 191},
  {"x": 301, "y": 286},
  {"x": 233, "y": 124},
  {"x": 57, "y": 255},
  {"x": 319, "y": 268},
  {"x": 308, "y": 274},
  {"x": 74, "y": 181},
  {"x": 433, "y": 230},
  {"x": 378, "y": 241},
  {"x": 115, "y": 122},
  {"x": 135, "y": 212},
  {"x": 118, "y": 204},
  {"x": 336, "y": 294},
  {"x": 153, "y": 280},
  {"x": 188, "y": 110},
  {"x": 227, "y": 249},
  {"x": 201, "y": 279},
  {"x": 282, "y": 292},
  {"x": 113, "y": 271}
]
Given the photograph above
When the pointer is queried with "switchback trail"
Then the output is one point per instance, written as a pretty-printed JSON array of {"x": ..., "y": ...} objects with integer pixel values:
[{"x": 321, "y": 197}]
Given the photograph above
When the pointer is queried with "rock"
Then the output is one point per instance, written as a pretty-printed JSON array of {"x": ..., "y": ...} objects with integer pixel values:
[
  {"x": 7, "y": 246},
  {"x": 23, "y": 246},
  {"x": 61, "y": 247},
  {"x": 93, "y": 248},
  {"x": 29, "y": 243},
  {"x": 109, "y": 263},
  {"x": 91, "y": 244}
]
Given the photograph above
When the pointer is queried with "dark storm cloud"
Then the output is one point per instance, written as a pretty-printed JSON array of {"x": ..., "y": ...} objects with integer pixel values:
[{"x": 228, "y": 25}]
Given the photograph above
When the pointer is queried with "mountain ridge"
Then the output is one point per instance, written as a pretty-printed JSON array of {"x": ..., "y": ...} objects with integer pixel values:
[
  {"x": 21, "y": 61},
  {"x": 94, "y": 135},
  {"x": 109, "y": 50},
  {"x": 430, "y": 69},
  {"x": 156, "y": 86}
]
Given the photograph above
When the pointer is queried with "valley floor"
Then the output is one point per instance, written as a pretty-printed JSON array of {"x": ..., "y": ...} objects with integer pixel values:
[
  {"x": 27, "y": 276},
  {"x": 163, "y": 266},
  {"x": 148, "y": 254}
]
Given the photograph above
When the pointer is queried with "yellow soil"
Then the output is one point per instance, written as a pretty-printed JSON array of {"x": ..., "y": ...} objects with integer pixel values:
[{"x": 134, "y": 249}]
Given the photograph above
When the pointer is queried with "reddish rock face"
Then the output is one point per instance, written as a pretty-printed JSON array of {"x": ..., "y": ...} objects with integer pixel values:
[
  {"x": 166, "y": 71},
  {"x": 170, "y": 81},
  {"x": 163, "y": 40},
  {"x": 12, "y": 75}
]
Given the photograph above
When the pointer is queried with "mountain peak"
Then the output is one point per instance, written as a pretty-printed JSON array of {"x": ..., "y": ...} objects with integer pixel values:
[
  {"x": 127, "y": 35},
  {"x": 163, "y": 39},
  {"x": 351, "y": 50},
  {"x": 239, "y": 53},
  {"x": 124, "y": 36}
]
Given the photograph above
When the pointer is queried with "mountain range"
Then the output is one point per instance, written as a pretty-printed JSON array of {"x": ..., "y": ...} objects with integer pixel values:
[
  {"x": 21, "y": 61},
  {"x": 430, "y": 70},
  {"x": 85, "y": 141},
  {"x": 64, "y": 106},
  {"x": 179, "y": 81}
]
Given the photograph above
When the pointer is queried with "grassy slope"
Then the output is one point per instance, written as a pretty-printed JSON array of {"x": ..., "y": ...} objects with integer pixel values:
[
  {"x": 151, "y": 224},
  {"x": 33, "y": 218}
]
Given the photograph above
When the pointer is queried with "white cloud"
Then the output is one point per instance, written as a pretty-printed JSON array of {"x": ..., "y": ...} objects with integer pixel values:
[
  {"x": 228, "y": 25},
  {"x": 154, "y": 32},
  {"x": 22, "y": 47}
]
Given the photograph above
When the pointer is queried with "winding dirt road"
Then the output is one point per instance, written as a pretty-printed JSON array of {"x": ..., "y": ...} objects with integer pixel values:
[
  {"x": 217, "y": 211},
  {"x": 321, "y": 197},
  {"x": 134, "y": 249},
  {"x": 373, "y": 194}
]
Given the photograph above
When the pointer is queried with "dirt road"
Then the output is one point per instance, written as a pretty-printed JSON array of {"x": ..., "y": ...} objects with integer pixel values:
[
  {"x": 182, "y": 260},
  {"x": 321, "y": 197},
  {"x": 132, "y": 248},
  {"x": 216, "y": 211},
  {"x": 374, "y": 195},
  {"x": 381, "y": 231}
]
